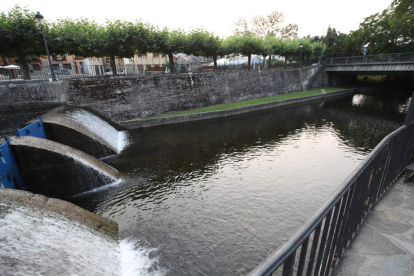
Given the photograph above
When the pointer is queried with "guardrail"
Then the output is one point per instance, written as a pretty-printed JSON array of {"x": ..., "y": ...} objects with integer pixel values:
[
  {"x": 385, "y": 58},
  {"x": 316, "y": 248}
]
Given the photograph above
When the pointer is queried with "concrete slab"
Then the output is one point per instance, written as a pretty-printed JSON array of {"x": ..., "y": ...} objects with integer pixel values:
[{"x": 384, "y": 245}]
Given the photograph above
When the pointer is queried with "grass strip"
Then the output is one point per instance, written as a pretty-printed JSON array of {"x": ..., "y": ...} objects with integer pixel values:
[{"x": 270, "y": 99}]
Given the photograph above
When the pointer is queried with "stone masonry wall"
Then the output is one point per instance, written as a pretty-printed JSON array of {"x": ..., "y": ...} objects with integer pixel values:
[{"x": 124, "y": 98}]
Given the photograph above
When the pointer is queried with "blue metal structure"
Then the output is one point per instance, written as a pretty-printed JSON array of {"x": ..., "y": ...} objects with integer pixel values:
[
  {"x": 35, "y": 129},
  {"x": 9, "y": 175}
]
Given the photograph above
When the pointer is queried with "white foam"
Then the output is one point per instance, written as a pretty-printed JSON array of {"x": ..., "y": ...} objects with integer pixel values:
[
  {"x": 36, "y": 243},
  {"x": 117, "y": 139},
  {"x": 136, "y": 260}
]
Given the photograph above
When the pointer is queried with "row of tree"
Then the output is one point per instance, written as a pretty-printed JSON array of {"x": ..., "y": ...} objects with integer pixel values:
[{"x": 22, "y": 38}]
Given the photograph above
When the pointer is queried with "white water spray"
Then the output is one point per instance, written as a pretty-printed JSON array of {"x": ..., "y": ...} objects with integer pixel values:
[
  {"x": 117, "y": 139},
  {"x": 35, "y": 243}
]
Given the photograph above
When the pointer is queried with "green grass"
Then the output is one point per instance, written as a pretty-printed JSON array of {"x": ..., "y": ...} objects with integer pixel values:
[{"x": 252, "y": 102}]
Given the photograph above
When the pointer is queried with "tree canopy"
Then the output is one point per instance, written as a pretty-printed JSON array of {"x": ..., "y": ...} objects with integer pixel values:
[
  {"x": 264, "y": 26},
  {"x": 21, "y": 37}
]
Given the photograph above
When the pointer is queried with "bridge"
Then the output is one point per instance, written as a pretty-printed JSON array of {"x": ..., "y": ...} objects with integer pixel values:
[{"x": 343, "y": 69}]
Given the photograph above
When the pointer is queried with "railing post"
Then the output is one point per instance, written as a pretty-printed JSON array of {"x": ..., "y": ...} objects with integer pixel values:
[{"x": 17, "y": 133}]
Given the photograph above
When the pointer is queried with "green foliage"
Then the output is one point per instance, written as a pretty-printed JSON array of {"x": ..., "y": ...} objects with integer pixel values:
[
  {"x": 203, "y": 43},
  {"x": 169, "y": 43},
  {"x": 20, "y": 36},
  {"x": 390, "y": 31},
  {"x": 87, "y": 38}
]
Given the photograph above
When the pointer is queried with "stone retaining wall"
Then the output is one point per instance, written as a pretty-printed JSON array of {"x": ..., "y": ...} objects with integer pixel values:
[{"x": 130, "y": 97}]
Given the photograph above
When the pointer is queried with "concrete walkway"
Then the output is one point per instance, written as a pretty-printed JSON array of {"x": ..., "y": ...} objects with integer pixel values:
[{"x": 384, "y": 245}]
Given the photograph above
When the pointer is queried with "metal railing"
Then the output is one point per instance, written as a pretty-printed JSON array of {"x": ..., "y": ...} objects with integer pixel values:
[
  {"x": 85, "y": 71},
  {"x": 385, "y": 58},
  {"x": 316, "y": 248}
]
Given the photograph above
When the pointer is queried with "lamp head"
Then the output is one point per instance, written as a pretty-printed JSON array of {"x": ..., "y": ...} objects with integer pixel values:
[
  {"x": 39, "y": 18},
  {"x": 301, "y": 45}
]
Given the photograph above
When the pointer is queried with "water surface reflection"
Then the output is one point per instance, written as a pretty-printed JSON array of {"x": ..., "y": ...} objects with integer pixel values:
[{"x": 216, "y": 197}]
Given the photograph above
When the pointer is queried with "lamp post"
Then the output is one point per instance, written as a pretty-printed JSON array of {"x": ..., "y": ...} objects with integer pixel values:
[
  {"x": 333, "y": 49},
  {"x": 300, "y": 56},
  {"x": 39, "y": 19}
]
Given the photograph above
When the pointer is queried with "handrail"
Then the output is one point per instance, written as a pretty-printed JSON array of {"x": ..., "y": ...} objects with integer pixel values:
[
  {"x": 369, "y": 59},
  {"x": 345, "y": 210}
]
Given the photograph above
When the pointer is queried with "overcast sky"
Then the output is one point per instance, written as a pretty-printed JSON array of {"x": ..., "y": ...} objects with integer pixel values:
[{"x": 218, "y": 16}]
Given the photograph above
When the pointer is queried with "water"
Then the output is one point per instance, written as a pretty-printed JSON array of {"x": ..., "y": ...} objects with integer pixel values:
[
  {"x": 38, "y": 243},
  {"x": 217, "y": 197},
  {"x": 117, "y": 139}
]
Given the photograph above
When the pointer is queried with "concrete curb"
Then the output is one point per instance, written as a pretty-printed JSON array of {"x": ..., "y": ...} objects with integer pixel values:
[
  {"x": 140, "y": 123},
  {"x": 70, "y": 211}
]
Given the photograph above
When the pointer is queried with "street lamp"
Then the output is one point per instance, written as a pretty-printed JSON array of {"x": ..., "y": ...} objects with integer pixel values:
[
  {"x": 39, "y": 19},
  {"x": 300, "y": 57},
  {"x": 333, "y": 49}
]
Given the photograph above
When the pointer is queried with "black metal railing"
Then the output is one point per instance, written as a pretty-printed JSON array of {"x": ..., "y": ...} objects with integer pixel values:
[
  {"x": 72, "y": 70},
  {"x": 384, "y": 58},
  {"x": 316, "y": 248}
]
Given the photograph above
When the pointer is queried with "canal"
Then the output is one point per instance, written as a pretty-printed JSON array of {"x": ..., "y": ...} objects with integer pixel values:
[{"x": 216, "y": 197}]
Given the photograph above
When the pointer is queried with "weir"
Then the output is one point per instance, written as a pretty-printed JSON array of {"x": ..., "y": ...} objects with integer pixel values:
[
  {"x": 83, "y": 130},
  {"x": 31, "y": 161},
  {"x": 56, "y": 170}
]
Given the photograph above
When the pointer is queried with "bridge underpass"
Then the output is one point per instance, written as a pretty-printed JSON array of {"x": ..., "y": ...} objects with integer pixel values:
[{"x": 344, "y": 70}]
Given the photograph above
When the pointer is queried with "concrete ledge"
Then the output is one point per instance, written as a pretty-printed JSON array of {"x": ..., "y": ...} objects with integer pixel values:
[
  {"x": 70, "y": 211},
  {"x": 140, "y": 123}
]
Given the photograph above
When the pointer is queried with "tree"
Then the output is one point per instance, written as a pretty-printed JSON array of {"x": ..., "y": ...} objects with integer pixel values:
[
  {"x": 390, "y": 31},
  {"x": 21, "y": 37},
  {"x": 75, "y": 36},
  {"x": 114, "y": 39},
  {"x": 169, "y": 43},
  {"x": 331, "y": 38},
  {"x": 265, "y": 26},
  {"x": 319, "y": 49},
  {"x": 203, "y": 43},
  {"x": 244, "y": 45},
  {"x": 265, "y": 49}
]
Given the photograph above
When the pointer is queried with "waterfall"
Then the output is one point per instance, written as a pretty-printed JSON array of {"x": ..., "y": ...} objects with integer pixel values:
[{"x": 117, "y": 139}]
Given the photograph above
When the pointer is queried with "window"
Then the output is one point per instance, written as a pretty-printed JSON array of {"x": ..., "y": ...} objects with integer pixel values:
[
  {"x": 107, "y": 60},
  {"x": 67, "y": 66},
  {"x": 156, "y": 56},
  {"x": 55, "y": 66},
  {"x": 142, "y": 55}
]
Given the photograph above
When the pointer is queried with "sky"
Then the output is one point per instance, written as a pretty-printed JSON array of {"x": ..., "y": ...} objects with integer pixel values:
[{"x": 312, "y": 16}]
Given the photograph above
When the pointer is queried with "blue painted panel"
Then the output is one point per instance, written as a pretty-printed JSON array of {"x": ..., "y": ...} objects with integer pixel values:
[
  {"x": 9, "y": 175},
  {"x": 35, "y": 129}
]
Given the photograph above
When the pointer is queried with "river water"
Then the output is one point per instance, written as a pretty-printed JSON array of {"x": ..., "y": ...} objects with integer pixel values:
[{"x": 216, "y": 197}]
